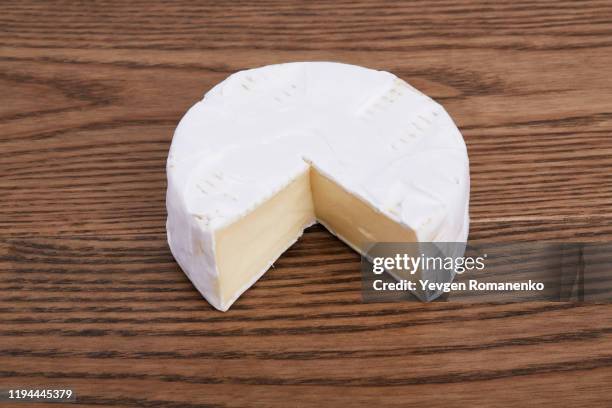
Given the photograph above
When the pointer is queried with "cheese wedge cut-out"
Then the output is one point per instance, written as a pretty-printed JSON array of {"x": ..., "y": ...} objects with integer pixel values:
[{"x": 273, "y": 150}]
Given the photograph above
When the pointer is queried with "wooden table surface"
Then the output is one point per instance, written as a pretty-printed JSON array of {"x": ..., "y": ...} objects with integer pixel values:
[{"x": 91, "y": 298}]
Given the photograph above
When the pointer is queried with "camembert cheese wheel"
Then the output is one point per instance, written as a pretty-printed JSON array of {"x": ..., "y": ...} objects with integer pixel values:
[{"x": 272, "y": 150}]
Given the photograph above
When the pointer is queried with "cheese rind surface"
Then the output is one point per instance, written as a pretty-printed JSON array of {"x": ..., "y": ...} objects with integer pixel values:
[{"x": 272, "y": 150}]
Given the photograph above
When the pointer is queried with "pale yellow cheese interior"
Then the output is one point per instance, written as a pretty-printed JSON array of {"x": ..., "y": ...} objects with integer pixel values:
[{"x": 247, "y": 248}]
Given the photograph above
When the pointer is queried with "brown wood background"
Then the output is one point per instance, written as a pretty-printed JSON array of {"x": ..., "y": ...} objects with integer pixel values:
[{"x": 90, "y": 297}]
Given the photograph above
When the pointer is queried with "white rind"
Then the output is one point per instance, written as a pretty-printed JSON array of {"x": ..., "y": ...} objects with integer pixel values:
[{"x": 367, "y": 130}]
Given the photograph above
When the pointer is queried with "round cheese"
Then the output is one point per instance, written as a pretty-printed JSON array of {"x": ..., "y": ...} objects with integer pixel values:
[{"x": 367, "y": 134}]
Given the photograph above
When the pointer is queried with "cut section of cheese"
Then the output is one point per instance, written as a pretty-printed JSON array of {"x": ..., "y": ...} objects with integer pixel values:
[
  {"x": 352, "y": 219},
  {"x": 246, "y": 248},
  {"x": 270, "y": 151}
]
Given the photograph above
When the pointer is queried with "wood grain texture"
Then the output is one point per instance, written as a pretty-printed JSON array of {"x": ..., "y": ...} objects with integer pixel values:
[{"x": 91, "y": 298}]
